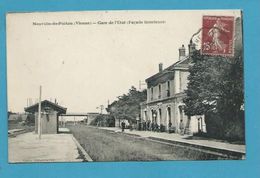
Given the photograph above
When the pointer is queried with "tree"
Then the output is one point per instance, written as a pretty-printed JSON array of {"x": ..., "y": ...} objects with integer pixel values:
[
  {"x": 216, "y": 85},
  {"x": 127, "y": 106},
  {"x": 207, "y": 83}
]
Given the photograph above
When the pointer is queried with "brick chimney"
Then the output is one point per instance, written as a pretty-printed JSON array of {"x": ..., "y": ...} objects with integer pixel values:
[
  {"x": 181, "y": 52},
  {"x": 192, "y": 47},
  {"x": 160, "y": 67}
]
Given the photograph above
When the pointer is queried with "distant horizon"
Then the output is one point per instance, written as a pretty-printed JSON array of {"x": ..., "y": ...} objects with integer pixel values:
[{"x": 85, "y": 66}]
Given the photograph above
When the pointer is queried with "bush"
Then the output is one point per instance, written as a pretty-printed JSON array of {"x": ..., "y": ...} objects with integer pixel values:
[
  {"x": 225, "y": 128},
  {"x": 104, "y": 120}
]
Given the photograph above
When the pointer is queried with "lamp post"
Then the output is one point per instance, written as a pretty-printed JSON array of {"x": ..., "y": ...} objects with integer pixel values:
[
  {"x": 154, "y": 120},
  {"x": 154, "y": 116}
]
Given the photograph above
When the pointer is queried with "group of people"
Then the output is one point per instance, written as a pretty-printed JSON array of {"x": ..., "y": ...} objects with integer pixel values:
[
  {"x": 151, "y": 126},
  {"x": 154, "y": 126}
]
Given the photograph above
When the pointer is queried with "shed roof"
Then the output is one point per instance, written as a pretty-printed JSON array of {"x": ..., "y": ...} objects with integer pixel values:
[{"x": 46, "y": 103}]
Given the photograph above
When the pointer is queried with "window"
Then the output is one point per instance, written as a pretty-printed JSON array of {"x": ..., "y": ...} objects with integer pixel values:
[
  {"x": 180, "y": 86},
  {"x": 160, "y": 89},
  {"x": 169, "y": 115},
  {"x": 154, "y": 115},
  {"x": 160, "y": 116},
  {"x": 145, "y": 115},
  {"x": 168, "y": 89},
  {"x": 152, "y": 93}
]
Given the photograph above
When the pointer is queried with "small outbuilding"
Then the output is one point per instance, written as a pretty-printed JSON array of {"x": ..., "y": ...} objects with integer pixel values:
[{"x": 50, "y": 113}]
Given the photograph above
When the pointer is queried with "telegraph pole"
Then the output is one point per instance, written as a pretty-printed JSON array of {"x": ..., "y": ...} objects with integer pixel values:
[
  {"x": 101, "y": 107},
  {"x": 39, "y": 114}
]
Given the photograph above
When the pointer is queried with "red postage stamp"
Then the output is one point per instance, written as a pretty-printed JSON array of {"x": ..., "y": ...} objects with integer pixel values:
[{"x": 218, "y": 35}]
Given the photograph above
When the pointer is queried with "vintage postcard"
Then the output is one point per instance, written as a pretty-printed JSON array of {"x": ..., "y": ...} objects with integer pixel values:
[{"x": 125, "y": 86}]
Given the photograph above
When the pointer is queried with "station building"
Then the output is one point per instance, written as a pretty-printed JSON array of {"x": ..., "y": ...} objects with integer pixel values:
[{"x": 165, "y": 94}]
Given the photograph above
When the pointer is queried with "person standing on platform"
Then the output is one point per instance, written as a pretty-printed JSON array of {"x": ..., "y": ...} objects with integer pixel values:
[{"x": 123, "y": 126}]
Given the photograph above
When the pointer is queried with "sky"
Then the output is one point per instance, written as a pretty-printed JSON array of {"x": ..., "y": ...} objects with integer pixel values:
[{"x": 83, "y": 66}]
